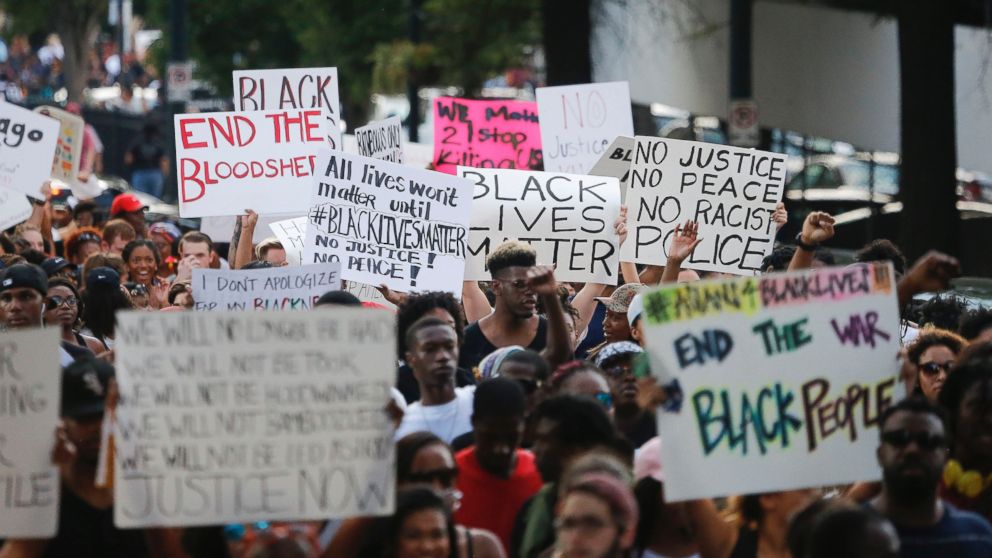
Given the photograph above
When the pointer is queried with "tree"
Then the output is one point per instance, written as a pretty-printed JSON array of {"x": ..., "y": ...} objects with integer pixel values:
[{"x": 77, "y": 23}]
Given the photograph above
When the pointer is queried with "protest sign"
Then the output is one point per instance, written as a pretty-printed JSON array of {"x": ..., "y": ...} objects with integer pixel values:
[
  {"x": 389, "y": 224},
  {"x": 381, "y": 140},
  {"x": 29, "y": 412},
  {"x": 616, "y": 163},
  {"x": 27, "y": 149},
  {"x": 221, "y": 229},
  {"x": 418, "y": 155},
  {"x": 69, "y": 147},
  {"x": 14, "y": 207},
  {"x": 292, "y": 88},
  {"x": 233, "y": 417},
  {"x": 276, "y": 288},
  {"x": 567, "y": 218},
  {"x": 783, "y": 377},
  {"x": 261, "y": 160},
  {"x": 728, "y": 191},
  {"x": 291, "y": 233},
  {"x": 486, "y": 134},
  {"x": 578, "y": 122},
  {"x": 368, "y": 293}
]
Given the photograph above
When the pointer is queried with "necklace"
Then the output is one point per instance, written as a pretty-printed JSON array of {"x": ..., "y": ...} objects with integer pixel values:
[{"x": 970, "y": 483}]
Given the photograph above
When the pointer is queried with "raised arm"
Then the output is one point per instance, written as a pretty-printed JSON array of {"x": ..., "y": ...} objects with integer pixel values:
[
  {"x": 715, "y": 535},
  {"x": 244, "y": 253},
  {"x": 817, "y": 229},
  {"x": 931, "y": 273},
  {"x": 684, "y": 241},
  {"x": 541, "y": 279},
  {"x": 475, "y": 302}
]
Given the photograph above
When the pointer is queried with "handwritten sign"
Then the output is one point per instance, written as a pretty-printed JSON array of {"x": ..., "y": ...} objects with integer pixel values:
[
  {"x": 567, "y": 218},
  {"x": 27, "y": 147},
  {"x": 292, "y": 89},
  {"x": 784, "y": 378},
  {"x": 232, "y": 417},
  {"x": 368, "y": 293},
  {"x": 381, "y": 140},
  {"x": 578, "y": 123},
  {"x": 389, "y": 224},
  {"x": 277, "y": 288},
  {"x": 616, "y": 163},
  {"x": 29, "y": 411},
  {"x": 291, "y": 233},
  {"x": 69, "y": 147},
  {"x": 730, "y": 192},
  {"x": 486, "y": 134},
  {"x": 14, "y": 207},
  {"x": 263, "y": 160}
]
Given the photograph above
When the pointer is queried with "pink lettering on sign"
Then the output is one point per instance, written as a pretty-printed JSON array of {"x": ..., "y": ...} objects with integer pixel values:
[{"x": 486, "y": 134}]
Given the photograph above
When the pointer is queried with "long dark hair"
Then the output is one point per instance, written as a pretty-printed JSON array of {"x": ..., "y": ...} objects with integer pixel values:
[
  {"x": 61, "y": 282},
  {"x": 100, "y": 305},
  {"x": 407, "y": 448},
  {"x": 383, "y": 538}
]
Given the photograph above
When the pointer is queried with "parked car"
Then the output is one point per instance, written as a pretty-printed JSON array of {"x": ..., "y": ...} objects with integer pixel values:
[{"x": 113, "y": 186}]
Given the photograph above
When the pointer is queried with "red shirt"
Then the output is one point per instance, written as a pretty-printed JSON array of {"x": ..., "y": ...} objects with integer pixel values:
[{"x": 492, "y": 502}]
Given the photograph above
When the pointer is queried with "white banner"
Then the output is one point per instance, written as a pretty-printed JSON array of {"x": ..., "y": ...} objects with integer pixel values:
[
  {"x": 235, "y": 417},
  {"x": 578, "y": 123},
  {"x": 276, "y": 288},
  {"x": 616, "y": 163},
  {"x": 729, "y": 192},
  {"x": 382, "y": 139},
  {"x": 228, "y": 162},
  {"x": 567, "y": 218},
  {"x": 291, "y": 233},
  {"x": 292, "y": 88},
  {"x": 389, "y": 224},
  {"x": 27, "y": 149},
  {"x": 784, "y": 378},
  {"x": 29, "y": 412},
  {"x": 14, "y": 207}
]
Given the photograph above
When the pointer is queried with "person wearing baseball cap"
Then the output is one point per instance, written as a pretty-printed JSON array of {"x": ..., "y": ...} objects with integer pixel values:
[
  {"x": 130, "y": 208},
  {"x": 638, "y": 425},
  {"x": 616, "y": 327},
  {"x": 59, "y": 267}
]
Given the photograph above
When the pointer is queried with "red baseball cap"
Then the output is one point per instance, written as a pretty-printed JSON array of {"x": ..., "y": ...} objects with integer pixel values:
[{"x": 126, "y": 203}]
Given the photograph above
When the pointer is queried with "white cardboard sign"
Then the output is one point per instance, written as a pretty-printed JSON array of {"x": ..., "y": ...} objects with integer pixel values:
[
  {"x": 235, "y": 417},
  {"x": 567, "y": 218},
  {"x": 616, "y": 163},
  {"x": 382, "y": 139},
  {"x": 389, "y": 224},
  {"x": 292, "y": 89},
  {"x": 783, "y": 378},
  {"x": 27, "y": 149},
  {"x": 276, "y": 288},
  {"x": 29, "y": 386},
  {"x": 291, "y": 233},
  {"x": 578, "y": 123},
  {"x": 69, "y": 147},
  {"x": 14, "y": 207},
  {"x": 230, "y": 161},
  {"x": 729, "y": 192}
]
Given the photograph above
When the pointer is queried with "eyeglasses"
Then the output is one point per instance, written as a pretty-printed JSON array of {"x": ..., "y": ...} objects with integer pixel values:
[
  {"x": 445, "y": 477},
  {"x": 924, "y": 440},
  {"x": 617, "y": 371},
  {"x": 934, "y": 368},
  {"x": 55, "y": 301},
  {"x": 585, "y": 524},
  {"x": 24, "y": 297},
  {"x": 605, "y": 399}
]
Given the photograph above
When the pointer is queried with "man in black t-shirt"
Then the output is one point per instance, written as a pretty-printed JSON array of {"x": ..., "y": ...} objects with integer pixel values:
[{"x": 517, "y": 281}]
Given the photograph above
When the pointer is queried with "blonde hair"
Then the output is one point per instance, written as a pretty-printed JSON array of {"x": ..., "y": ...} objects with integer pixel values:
[
  {"x": 271, "y": 243},
  {"x": 512, "y": 253}
]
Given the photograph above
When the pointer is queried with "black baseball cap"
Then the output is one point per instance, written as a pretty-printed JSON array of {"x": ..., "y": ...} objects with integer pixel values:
[
  {"x": 24, "y": 275},
  {"x": 103, "y": 276},
  {"x": 84, "y": 387},
  {"x": 338, "y": 298},
  {"x": 55, "y": 265}
]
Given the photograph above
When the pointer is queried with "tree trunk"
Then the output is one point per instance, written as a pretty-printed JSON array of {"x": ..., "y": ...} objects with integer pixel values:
[
  {"x": 567, "y": 31},
  {"x": 927, "y": 182},
  {"x": 77, "y": 24}
]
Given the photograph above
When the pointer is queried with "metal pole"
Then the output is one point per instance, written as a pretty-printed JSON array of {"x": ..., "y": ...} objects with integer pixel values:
[
  {"x": 412, "y": 87},
  {"x": 740, "y": 49}
]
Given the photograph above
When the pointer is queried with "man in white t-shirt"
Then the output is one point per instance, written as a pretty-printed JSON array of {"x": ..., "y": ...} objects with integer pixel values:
[{"x": 432, "y": 353}]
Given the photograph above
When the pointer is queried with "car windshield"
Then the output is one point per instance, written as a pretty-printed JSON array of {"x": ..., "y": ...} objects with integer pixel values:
[{"x": 858, "y": 174}]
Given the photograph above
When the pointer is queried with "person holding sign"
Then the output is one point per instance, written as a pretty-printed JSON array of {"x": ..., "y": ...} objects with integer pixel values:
[{"x": 517, "y": 283}]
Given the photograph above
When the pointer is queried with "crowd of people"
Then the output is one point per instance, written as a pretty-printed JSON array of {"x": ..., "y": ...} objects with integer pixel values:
[{"x": 525, "y": 412}]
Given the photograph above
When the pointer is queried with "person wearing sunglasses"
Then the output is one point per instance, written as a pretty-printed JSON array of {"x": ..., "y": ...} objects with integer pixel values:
[
  {"x": 637, "y": 424},
  {"x": 912, "y": 454},
  {"x": 422, "y": 459},
  {"x": 581, "y": 377},
  {"x": 62, "y": 310},
  {"x": 932, "y": 354}
]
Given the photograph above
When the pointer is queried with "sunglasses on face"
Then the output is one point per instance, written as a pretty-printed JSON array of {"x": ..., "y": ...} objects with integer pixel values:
[
  {"x": 55, "y": 301},
  {"x": 445, "y": 477},
  {"x": 584, "y": 524},
  {"x": 924, "y": 440},
  {"x": 617, "y": 371},
  {"x": 934, "y": 368}
]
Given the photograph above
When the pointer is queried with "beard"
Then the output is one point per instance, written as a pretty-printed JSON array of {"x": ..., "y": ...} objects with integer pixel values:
[{"x": 911, "y": 488}]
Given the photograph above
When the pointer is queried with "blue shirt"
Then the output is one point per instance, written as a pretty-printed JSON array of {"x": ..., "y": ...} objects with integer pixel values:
[{"x": 958, "y": 534}]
